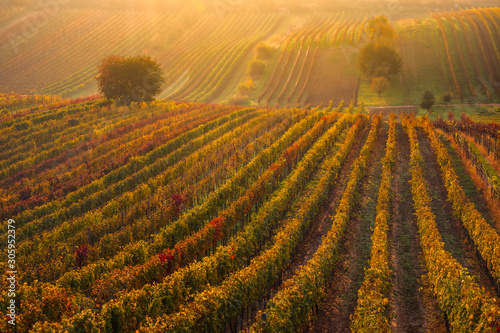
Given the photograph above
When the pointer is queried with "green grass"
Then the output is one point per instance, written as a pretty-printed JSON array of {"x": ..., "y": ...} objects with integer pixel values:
[
  {"x": 483, "y": 113},
  {"x": 492, "y": 172},
  {"x": 394, "y": 95},
  {"x": 424, "y": 61}
]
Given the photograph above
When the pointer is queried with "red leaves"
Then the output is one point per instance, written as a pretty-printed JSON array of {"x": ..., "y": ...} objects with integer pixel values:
[
  {"x": 291, "y": 153},
  {"x": 167, "y": 261},
  {"x": 451, "y": 116},
  {"x": 496, "y": 325},
  {"x": 231, "y": 252},
  {"x": 276, "y": 169},
  {"x": 81, "y": 254},
  {"x": 218, "y": 224},
  {"x": 165, "y": 257},
  {"x": 176, "y": 202}
]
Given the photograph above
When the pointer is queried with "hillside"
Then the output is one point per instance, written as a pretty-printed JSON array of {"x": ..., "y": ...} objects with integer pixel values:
[
  {"x": 269, "y": 187},
  {"x": 205, "y": 58},
  {"x": 200, "y": 217}
]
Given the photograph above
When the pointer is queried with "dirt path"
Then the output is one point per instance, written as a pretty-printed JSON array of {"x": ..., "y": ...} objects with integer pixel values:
[
  {"x": 412, "y": 310},
  {"x": 454, "y": 235},
  {"x": 335, "y": 311},
  {"x": 417, "y": 106}
]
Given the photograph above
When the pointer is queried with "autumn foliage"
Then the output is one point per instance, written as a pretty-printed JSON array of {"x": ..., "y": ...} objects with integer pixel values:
[{"x": 129, "y": 79}]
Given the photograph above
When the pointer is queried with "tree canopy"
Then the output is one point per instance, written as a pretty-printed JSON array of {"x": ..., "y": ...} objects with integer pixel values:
[
  {"x": 380, "y": 29},
  {"x": 377, "y": 60},
  {"x": 130, "y": 79},
  {"x": 379, "y": 85},
  {"x": 447, "y": 97},
  {"x": 428, "y": 100}
]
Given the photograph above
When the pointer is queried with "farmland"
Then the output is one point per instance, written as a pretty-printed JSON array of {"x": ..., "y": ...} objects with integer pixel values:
[
  {"x": 120, "y": 227},
  {"x": 313, "y": 59},
  {"x": 466, "y": 45},
  {"x": 267, "y": 186}
]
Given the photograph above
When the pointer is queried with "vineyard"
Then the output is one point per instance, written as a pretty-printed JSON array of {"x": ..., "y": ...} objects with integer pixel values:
[
  {"x": 206, "y": 56},
  {"x": 466, "y": 42},
  {"x": 64, "y": 61},
  {"x": 193, "y": 217}
]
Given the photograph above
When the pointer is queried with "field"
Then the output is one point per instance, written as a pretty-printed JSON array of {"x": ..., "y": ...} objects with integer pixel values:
[
  {"x": 268, "y": 187},
  {"x": 205, "y": 57},
  {"x": 466, "y": 45},
  {"x": 181, "y": 216}
]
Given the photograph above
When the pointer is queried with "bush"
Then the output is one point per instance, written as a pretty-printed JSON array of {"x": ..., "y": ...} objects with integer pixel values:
[
  {"x": 239, "y": 99},
  {"x": 428, "y": 100},
  {"x": 246, "y": 88},
  {"x": 447, "y": 97},
  {"x": 256, "y": 68},
  {"x": 263, "y": 51}
]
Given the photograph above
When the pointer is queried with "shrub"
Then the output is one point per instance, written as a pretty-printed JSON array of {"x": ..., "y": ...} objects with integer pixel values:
[
  {"x": 256, "y": 68},
  {"x": 239, "y": 99},
  {"x": 246, "y": 88},
  {"x": 263, "y": 51}
]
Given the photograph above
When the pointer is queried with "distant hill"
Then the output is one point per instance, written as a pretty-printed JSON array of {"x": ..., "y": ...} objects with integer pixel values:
[{"x": 206, "y": 55}]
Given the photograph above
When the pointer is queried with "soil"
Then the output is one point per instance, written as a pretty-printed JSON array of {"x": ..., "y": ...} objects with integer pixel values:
[
  {"x": 318, "y": 228},
  {"x": 411, "y": 309},
  {"x": 335, "y": 311},
  {"x": 331, "y": 80},
  {"x": 454, "y": 234}
]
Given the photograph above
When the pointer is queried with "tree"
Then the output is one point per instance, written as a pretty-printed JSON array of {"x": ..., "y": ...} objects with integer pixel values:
[
  {"x": 379, "y": 85},
  {"x": 377, "y": 60},
  {"x": 427, "y": 100},
  {"x": 263, "y": 51},
  {"x": 380, "y": 29},
  {"x": 129, "y": 79},
  {"x": 256, "y": 68},
  {"x": 447, "y": 97},
  {"x": 247, "y": 87}
]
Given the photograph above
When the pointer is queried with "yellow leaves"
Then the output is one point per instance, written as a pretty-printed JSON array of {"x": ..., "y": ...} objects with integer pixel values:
[
  {"x": 370, "y": 314},
  {"x": 457, "y": 292},
  {"x": 483, "y": 235}
]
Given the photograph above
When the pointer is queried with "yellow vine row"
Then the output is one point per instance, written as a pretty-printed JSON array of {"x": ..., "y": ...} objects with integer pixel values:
[
  {"x": 371, "y": 313},
  {"x": 293, "y": 306},
  {"x": 448, "y": 56},
  {"x": 466, "y": 304},
  {"x": 482, "y": 234}
]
